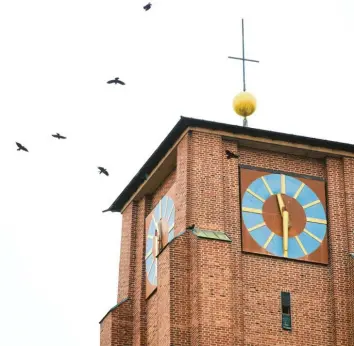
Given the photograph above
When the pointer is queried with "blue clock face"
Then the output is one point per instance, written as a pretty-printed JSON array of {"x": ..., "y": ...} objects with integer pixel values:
[
  {"x": 263, "y": 205},
  {"x": 160, "y": 232}
]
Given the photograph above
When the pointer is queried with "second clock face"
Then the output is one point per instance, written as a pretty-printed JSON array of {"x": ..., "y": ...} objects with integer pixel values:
[
  {"x": 283, "y": 215},
  {"x": 160, "y": 230}
]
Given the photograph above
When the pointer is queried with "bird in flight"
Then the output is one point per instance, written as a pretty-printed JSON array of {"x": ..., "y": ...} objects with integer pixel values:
[
  {"x": 21, "y": 147},
  {"x": 147, "y": 6},
  {"x": 59, "y": 136},
  {"x": 116, "y": 81},
  {"x": 103, "y": 170},
  {"x": 231, "y": 155}
]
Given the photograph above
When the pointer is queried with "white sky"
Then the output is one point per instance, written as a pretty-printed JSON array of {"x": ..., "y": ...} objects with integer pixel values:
[{"x": 58, "y": 253}]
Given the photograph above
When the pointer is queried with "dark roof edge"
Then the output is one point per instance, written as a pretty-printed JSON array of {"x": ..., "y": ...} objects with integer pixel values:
[
  {"x": 184, "y": 123},
  {"x": 113, "y": 308},
  {"x": 149, "y": 165}
]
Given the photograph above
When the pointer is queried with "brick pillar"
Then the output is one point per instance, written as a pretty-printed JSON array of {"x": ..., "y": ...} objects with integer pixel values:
[
  {"x": 348, "y": 164},
  {"x": 179, "y": 252},
  {"x": 205, "y": 202},
  {"x": 139, "y": 294},
  {"x": 338, "y": 250},
  {"x": 163, "y": 298},
  {"x": 233, "y": 230},
  {"x": 211, "y": 261},
  {"x": 127, "y": 252},
  {"x": 117, "y": 325}
]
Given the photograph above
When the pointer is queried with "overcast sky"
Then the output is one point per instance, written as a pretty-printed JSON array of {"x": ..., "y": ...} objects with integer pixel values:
[{"x": 59, "y": 254}]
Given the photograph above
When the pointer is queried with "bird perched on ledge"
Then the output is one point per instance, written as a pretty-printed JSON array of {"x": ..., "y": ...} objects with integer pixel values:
[
  {"x": 116, "y": 81},
  {"x": 21, "y": 147},
  {"x": 191, "y": 228},
  {"x": 231, "y": 155},
  {"x": 103, "y": 170}
]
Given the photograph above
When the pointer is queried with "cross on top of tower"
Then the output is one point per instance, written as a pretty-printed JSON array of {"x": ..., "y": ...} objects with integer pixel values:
[
  {"x": 244, "y": 103},
  {"x": 243, "y": 58}
]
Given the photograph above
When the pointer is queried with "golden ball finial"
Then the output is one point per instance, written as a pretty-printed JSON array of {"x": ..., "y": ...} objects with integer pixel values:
[{"x": 244, "y": 104}]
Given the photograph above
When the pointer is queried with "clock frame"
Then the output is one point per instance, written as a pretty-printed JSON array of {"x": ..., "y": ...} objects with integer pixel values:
[{"x": 263, "y": 230}]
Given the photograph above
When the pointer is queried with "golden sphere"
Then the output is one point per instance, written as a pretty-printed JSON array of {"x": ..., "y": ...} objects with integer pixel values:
[{"x": 244, "y": 104}]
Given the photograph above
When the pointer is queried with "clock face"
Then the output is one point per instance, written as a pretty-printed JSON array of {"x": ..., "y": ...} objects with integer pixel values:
[
  {"x": 284, "y": 216},
  {"x": 160, "y": 230}
]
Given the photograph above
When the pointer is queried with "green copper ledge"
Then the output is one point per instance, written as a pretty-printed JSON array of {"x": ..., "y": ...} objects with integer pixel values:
[{"x": 207, "y": 234}]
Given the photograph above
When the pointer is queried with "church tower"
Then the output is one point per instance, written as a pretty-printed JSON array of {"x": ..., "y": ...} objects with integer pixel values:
[{"x": 236, "y": 236}]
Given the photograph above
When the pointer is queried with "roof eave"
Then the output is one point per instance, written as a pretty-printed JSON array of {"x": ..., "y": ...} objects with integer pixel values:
[{"x": 184, "y": 123}]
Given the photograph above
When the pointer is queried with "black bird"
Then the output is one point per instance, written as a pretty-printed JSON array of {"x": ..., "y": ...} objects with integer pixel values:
[
  {"x": 21, "y": 147},
  {"x": 59, "y": 136},
  {"x": 191, "y": 227},
  {"x": 231, "y": 155},
  {"x": 103, "y": 170},
  {"x": 147, "y": 7},
  {"x": 116, "y": 81}
]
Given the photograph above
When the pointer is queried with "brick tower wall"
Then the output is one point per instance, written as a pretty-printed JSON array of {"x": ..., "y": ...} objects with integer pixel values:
[
  {"x": 224, "y": 311},
  {"x": 210, "y": 292}
]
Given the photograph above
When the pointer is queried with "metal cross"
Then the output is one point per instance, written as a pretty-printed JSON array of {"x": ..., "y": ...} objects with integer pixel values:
[{"x": 243, "y": 58}]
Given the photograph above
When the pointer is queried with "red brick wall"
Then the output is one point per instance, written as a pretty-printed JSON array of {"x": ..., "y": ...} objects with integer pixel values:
[
  {"x": 163, "y": 298},
  {"x": 233, "y": 230},
  {"x": 180, "y": 252},
  {"x": 106, "y": 331},
  {"x": 127, "y": 244},
  {"x": 151, "y": 319},
  {"x": 211, "y": 262},
  {"x": 206, "y": 198},
  {"x": 338, "y": 254},
  {"x": 138, "y": 297},
  {"x": 122, "y": 326},
  {"x": 182, "y": 183},
  {"x": 117, "y": 326},
  {"x": 349, "y": 203}
]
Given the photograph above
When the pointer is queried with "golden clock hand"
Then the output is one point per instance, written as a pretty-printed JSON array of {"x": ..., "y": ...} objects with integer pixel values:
[
  {"x": 285, "y": 232},
  {"x": 285, "y": 215},
  {"x": 280, "y": 203}
]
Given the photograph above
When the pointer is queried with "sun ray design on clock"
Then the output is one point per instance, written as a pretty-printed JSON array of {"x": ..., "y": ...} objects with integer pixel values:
[
  {"x": 268, "y": 240},
  {"x": 312, "y": 235},
  {"x": 301, "y": 245},
  {"x": 308, "y": 205},
  {"x": 314, "y": 220},
  {"x": 267, "y": 186},
  {"x": 282, "y": 184},
  {"x": 252, "y": 210},
  {"x": 257, "y": 226},
  {"x": 297, "y": 193},
  {"x": 255, "y": 195}
]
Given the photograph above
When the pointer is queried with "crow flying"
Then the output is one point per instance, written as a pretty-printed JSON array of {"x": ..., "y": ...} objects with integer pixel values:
[
  {"x": 103, "y": 170},
  {"x": 147, "y": 7},
  {"x": 231, "y": 155},
  {"x": 59, "y": 136},
  {"x": 115, "y": 81},
  {"x": 21, "y": 147}
]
